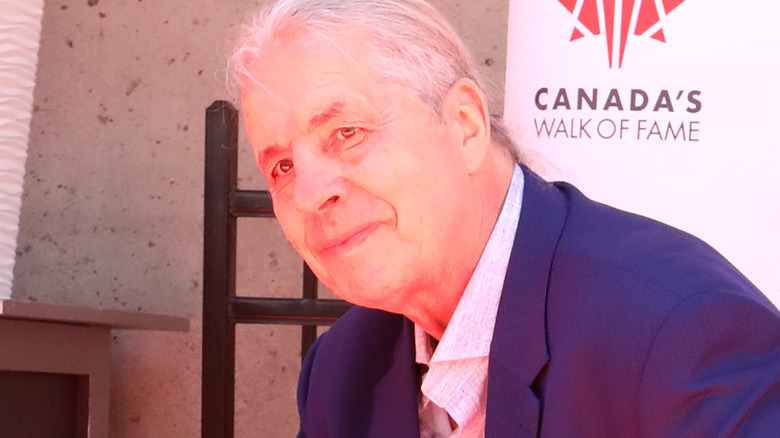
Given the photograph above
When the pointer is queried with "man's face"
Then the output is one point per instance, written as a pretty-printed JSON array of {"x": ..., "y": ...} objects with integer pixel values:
[{"x": 366, "y": 180}]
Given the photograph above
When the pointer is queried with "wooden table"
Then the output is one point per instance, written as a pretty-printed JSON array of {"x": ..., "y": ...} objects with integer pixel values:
[{"x": 55, "y": 363}]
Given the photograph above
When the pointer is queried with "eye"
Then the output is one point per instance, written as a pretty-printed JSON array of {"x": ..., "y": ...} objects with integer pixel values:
[
  {"x": 283, "y": 167},
  {"x": 346, "y": 133},
  {"x": 347, "y": 137}
]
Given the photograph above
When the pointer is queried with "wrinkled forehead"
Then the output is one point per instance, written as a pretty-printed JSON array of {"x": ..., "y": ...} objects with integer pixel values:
[
  {"x": 302, "y": 83},
  {"x": 295, "y": 67},
  {"x": 259, "y": 59}
]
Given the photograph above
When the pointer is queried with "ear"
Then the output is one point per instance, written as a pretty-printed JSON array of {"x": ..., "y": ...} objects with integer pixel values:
[{"x": 464, "y": 110}]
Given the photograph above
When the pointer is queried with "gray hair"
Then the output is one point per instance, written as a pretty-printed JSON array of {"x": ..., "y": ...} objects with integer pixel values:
[{"x": 411, "y": 44}]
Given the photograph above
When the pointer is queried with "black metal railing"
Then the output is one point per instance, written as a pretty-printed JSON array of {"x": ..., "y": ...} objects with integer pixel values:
[{"x": 222, "y": 308}]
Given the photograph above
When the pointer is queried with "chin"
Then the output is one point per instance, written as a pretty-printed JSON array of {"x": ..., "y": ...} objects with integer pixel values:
[
  {"x": 368, "y": 285},
  {"x": 373, "y": 297}
]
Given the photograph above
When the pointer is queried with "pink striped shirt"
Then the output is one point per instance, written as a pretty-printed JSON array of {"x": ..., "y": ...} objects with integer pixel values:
[{"x": 455, "y": 385}]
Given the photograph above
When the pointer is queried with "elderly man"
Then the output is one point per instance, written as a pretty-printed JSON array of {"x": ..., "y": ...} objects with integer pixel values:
[{"x": 489, "y": 301}]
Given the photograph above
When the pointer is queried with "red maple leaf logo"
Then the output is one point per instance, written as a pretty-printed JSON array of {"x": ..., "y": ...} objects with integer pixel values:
[{"x": 621, "y": 18}]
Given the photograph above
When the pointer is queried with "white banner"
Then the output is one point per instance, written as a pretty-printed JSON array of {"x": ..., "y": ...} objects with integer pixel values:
[{"x": 667, "y": 108}]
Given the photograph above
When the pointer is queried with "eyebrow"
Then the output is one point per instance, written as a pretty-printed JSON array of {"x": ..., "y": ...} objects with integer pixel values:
[
  {"x": 269, "y": 151},
  {"x": 323, "y": 117}
]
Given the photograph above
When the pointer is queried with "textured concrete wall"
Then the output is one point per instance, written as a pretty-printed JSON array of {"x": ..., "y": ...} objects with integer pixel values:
[{"x": 112, "y": 208}]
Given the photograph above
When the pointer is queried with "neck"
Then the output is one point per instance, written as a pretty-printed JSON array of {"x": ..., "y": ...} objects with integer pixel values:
[{"x": 490, "y": 186}]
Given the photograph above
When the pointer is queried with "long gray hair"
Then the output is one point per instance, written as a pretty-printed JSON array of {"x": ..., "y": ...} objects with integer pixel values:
[{"x": 411, "y": 44}]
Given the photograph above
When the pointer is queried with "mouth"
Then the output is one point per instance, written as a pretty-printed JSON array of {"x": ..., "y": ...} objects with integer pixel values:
[{"x": 348, "y": 241}]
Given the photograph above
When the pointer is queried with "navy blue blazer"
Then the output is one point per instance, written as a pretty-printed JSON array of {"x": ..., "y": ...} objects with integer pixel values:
[{"x": 609, "y": 325}]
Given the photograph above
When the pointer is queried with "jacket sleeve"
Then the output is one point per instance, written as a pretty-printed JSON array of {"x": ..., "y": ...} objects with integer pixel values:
[
  {"x": 714, "y": 370},
  {"x": 303, "y": 382}
]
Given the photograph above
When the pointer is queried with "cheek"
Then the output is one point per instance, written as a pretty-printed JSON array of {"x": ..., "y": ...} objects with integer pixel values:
[{"x": 292, "y": 226}]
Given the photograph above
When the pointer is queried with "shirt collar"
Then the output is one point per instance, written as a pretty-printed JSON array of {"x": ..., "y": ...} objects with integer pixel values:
[{"x": 470, "y": 330}]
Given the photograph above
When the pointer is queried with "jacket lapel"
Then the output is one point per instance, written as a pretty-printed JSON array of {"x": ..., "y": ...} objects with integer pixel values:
[
  {"x": 364, "y": 383},
  {"x": 518, "y": 352},
  {"x": 395, "y": 396}
]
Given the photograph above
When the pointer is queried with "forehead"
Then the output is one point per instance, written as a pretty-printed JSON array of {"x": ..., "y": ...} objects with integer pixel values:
[{"x": 308, "y": 73}]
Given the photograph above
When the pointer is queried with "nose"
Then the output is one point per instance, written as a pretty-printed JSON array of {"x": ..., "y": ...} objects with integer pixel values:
[{"x": 318, "y": 182}]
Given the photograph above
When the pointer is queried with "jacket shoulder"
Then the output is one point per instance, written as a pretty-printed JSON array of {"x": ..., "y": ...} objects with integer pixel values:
[{"x": 359, "y": 378}]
